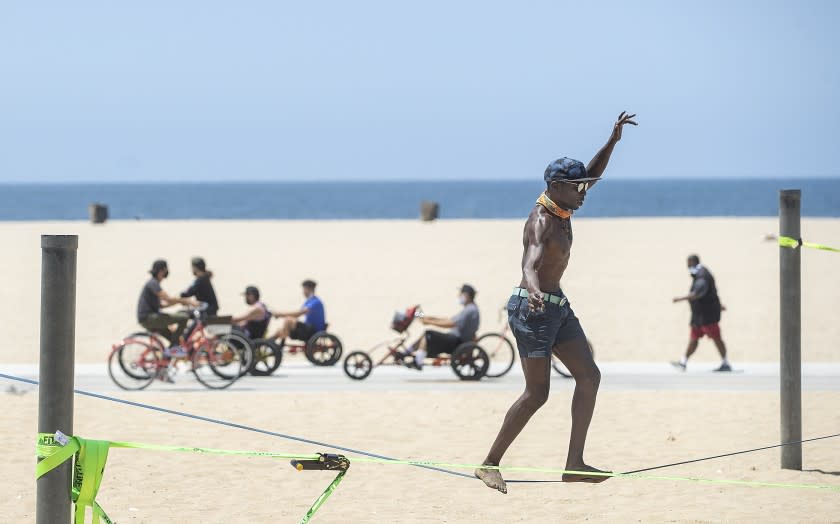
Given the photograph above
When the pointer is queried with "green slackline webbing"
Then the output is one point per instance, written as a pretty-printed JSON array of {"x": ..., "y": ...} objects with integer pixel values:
[
  {"x": 828, "y": 487},
  {"x": 323, "y": 498},
  {"x": 794, "y": 243},
  {"x": 91, "y": 456}
]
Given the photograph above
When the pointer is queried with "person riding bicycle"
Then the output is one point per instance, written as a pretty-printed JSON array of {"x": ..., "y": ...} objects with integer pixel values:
[
  {"x": 202, "y": 288},
  {"x": 255, "y": 321},
  {"x": 153, "y": 298},
  {"x": 462, "y": 328},
  {"x": 312, "y": 311}
]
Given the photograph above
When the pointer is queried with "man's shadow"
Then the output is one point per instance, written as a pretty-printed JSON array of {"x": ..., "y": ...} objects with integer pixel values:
[{"x": 835, "y": 473}]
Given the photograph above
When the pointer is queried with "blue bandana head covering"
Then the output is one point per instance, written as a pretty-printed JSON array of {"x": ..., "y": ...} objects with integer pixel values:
[{"x": 565, "y": 169}]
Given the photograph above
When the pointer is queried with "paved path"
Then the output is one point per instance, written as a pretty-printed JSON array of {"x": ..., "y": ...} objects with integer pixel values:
[{"x": 627, "y": 376}]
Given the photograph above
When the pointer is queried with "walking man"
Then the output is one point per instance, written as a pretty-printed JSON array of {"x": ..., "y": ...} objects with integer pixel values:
[
  {"x": 542, "y": 319},
  {"x": 705, "y": 313}
]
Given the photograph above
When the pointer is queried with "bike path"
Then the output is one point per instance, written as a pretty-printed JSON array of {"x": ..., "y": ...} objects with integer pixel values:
[{"x": 626, "y": 376}]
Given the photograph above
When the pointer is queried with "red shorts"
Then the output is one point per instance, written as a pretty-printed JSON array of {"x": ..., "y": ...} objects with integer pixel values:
[{"x": 710, "y": 330}]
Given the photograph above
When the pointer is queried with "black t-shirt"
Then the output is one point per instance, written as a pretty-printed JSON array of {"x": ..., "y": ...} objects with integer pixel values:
[
  {"x": 202, "y": 290},
  {"x": 705, "y": 309},
  {"x": 149, "y": 302}
]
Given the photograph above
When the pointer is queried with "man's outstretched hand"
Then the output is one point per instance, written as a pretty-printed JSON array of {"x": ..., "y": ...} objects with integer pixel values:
[{"x": 623, "y": 118}]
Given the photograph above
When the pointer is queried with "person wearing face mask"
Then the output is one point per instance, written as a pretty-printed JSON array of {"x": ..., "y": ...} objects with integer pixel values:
[
  {"x": 705, "y": 313},
  {"x": 153, "y": 298},
  {"x": 462, "y": 328}
]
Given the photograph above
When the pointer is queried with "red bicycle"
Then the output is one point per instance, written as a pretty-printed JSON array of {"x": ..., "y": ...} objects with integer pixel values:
[{"x": 215, "y": 356}]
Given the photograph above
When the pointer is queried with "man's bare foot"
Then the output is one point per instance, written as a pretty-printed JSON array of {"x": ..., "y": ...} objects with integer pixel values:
[
  {"x": 582, "y": 477},
  {"x": 493, "y": 479}
]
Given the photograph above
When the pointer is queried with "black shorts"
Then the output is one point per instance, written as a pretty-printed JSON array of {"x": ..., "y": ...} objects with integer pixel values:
[
  {"x": 538, "y": 332},
  {"x": 437, "y": 343},
  {"x": 302, "y": 331}
]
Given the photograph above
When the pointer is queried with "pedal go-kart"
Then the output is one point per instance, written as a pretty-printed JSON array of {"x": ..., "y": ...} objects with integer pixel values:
[
  {"x": 322, "y": 349},
  {"x": 469, "y": 361}
]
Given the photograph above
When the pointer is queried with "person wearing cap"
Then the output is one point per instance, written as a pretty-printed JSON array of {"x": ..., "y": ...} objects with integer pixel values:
[
  {"x": 153, "y": 298},
  {"x": 705, "y": 313},
  {"x": 462, "y": 328},
  {"x": 202, "y": 288},
  {"x": 542, "y": 319},
  {"x": 312, "y": 311},
  {"x": 254, "y": 321}
]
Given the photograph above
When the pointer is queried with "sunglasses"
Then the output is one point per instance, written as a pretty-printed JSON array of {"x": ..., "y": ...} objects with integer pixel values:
[{"x": 581, "y": 186}]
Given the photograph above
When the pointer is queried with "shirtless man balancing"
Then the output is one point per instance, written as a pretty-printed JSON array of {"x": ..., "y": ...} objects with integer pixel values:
[{"x": 541, "y": 318}]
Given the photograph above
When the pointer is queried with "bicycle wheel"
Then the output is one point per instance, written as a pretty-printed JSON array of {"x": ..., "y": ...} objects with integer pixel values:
[
  {"x": 218, "y": 364},
  {"x": 128, "y": 365},
  {"x": 469, "y": 361},
  {"x": 243, "y": 346},
  {"x": 267, "y": 357},
  {"x": 358, "y": 365},
  {"x": 133, "y": 365},
  {"x": 500, "y": 351},
  {"x": 323, "y": 349}
]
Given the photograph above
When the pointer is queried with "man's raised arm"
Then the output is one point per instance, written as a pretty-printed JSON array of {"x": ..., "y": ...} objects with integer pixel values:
[{"x": 599, "y": 162}]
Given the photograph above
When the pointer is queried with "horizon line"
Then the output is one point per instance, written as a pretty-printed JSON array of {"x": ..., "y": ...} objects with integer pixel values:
[{"x": 390, "y": 181}]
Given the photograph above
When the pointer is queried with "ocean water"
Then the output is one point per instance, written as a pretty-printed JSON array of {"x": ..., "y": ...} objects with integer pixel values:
[{"x": 394, "y": 200}]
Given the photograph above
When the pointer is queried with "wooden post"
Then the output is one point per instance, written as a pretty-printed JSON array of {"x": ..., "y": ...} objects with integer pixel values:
[
  {"x": 55, "y": 393},
  {"x": 790, "y": 309}
]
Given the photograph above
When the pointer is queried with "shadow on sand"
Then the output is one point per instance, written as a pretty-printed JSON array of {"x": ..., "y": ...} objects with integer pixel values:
[{"x": 835, "y": 473}]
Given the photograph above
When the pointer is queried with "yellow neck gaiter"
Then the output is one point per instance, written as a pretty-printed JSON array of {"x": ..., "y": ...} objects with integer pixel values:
[{"x": 553, "y": 208}]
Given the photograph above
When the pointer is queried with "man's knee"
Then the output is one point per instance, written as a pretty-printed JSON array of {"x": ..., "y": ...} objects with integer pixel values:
[
  {"x": 591, "y": 378},
  {"x": 534, "y": 398}
]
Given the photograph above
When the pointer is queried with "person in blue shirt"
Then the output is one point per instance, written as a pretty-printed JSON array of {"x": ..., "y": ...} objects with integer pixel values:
[{"x": 312, "y": 311}]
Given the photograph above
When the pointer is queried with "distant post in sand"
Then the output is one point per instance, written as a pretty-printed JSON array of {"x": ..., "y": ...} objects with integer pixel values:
[
  {"x": 790, "y": 310},
  {"x": 429, "y": 210},
  {"x": 98, "y": 213},
  {"x": 55, "y": 395}
]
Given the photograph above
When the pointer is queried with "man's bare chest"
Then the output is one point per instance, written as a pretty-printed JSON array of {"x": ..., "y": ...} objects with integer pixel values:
[{"x": 560, "y": 240}]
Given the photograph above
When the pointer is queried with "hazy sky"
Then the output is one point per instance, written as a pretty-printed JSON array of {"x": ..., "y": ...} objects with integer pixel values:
[{"x": 270, "y": 90}]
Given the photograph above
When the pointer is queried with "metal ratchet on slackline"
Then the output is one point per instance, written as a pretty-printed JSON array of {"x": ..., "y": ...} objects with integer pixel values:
[{"x": 325, "y": 461}]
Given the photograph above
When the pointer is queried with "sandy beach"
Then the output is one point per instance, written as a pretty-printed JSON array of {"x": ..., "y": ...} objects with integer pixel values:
[
  {"x": 621, "y": 280},
  {"x": 630, "y": 430}
]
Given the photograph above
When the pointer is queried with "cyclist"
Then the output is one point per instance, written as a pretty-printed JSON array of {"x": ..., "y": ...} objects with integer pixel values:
[
  {"x": 153, "y": 298},
  {"x": 312, "y": 311},
  {"x": 255, "y": 321},
  {"x": 462, "y": 328},
  {"x": 202, "y": 288}
]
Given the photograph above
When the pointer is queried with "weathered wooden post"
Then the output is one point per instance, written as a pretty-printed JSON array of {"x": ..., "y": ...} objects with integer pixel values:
[
  {"x": 55, "y": 393},
  {"x": 790, "y": 309}
]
